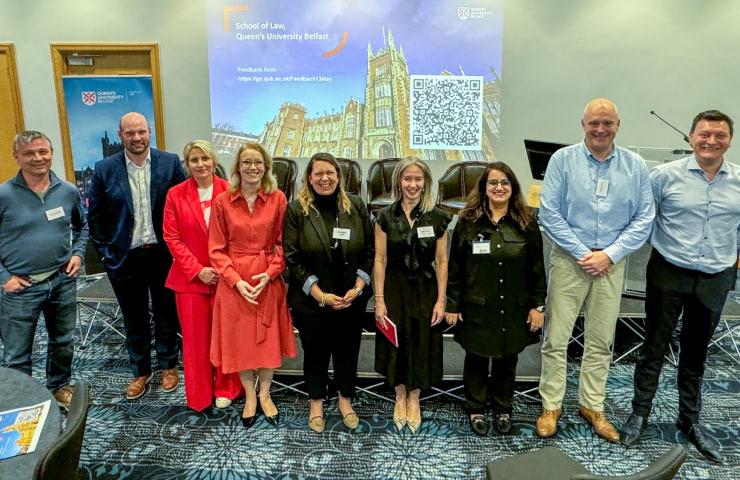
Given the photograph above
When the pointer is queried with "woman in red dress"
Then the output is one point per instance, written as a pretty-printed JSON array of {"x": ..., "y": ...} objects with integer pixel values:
[
  {"x": 252, "y": 328},
  {"x": 186, "y": 218}
]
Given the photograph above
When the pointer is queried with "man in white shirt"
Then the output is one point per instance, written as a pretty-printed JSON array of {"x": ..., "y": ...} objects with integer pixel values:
[{"x": 127, "y": 198}]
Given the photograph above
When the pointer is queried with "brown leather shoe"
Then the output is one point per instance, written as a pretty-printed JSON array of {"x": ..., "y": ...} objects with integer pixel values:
[
  {"x": 547, "y": 422},
  {"x": 601, "y": 425},
  {"x": 170, "y": 379},
  {"x": 63, "y": 396},
  {"x": 137, "y": 386}
]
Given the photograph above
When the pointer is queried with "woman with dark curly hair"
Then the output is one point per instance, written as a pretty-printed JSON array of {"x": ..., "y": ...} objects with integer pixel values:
[{"x": 495, "y": 292}]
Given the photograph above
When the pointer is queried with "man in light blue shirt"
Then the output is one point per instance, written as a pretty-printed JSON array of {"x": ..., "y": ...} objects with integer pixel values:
[
  {"x": 690, "y": 272},
  {"x": 597, "y": 208}
]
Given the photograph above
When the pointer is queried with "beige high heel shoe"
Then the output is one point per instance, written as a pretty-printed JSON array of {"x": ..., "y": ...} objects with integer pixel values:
[
  {"x": 399, "y": 418},
  {"x": 413, "y": 420}
]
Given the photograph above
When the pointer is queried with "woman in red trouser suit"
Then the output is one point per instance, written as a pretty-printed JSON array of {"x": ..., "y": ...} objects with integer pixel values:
[{"x": 186, "y": 220}]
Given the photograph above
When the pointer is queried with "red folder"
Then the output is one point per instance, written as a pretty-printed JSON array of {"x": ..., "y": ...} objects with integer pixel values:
[{"x": 390, "y": 331}]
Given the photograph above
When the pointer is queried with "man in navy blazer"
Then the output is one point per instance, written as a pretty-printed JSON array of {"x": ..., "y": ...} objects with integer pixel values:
[{"x": 127, "y": 198}]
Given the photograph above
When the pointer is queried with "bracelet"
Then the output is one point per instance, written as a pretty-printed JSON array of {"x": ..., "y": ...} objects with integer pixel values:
[
  {"x": 379, "y": 296},
  {"x": 358, "y": 290},
  {"x": 323, "y": 299}
]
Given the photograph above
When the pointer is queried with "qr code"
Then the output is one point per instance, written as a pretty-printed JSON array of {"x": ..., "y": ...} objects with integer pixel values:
[{"x": 446, "y": 112}]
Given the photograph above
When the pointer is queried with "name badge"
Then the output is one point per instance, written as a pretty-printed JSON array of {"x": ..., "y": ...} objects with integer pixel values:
[
  {"x": 54, "y": 213},
  {"x": 425, "y": 232},
  {"x": 602, "y": 188},
  {"x": 481, "y": 247},
  {"x": 340, "y": 233}
]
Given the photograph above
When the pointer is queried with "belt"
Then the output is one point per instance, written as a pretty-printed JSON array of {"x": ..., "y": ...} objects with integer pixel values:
[
  {"x": 655, "y": 254},
  {"x": 596, "y": 249},
  {"x": 146, "y": 246}
]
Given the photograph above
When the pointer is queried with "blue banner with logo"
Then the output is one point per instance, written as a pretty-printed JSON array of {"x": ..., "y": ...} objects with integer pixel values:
[{"x": 95, "y": 104}]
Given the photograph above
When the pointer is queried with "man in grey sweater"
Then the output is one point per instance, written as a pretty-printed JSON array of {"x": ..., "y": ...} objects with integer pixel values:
[{"x": 43, "y": 233}]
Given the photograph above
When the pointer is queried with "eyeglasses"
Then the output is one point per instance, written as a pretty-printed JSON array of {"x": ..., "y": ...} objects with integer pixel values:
[
  {"x": 255, "y": 163},
  {"x": 496, "y": 183}
]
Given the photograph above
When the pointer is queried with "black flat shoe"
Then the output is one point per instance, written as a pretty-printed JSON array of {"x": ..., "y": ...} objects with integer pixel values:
[
  {"x": 274, "y": 420},
  {"x": 248, "y": 422},
  {"x": 478, "y": 424},
  {"x": 704, "y": 445},
  {"x": 632, "y": 430},
  {"x": 503, "y": 423}
]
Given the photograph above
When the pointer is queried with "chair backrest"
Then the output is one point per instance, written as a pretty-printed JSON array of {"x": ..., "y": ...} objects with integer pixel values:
[
  {"x": 457, "y": 182},
  {"x": 286, "y": 172},
  {"x": 220, "y": 171},
  {"x": 351, "y": 175},
  {"x": 62, "y": 460},
  {"x": 664, "y": 468},
  {"x": 380, "y": 177},
  {"x": 380, "y": 184}
]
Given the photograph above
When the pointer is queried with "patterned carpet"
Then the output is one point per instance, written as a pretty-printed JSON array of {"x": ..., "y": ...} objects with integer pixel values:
[{"x": 157, "y": 437}]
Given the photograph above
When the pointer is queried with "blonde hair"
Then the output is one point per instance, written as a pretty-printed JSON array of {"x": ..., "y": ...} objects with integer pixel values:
[
  {"x": 305, "y": 194},
  {"x": 205, "y": 146},
  {"x": 268, "y": 183},
  {"x": 427, "y": 203}
]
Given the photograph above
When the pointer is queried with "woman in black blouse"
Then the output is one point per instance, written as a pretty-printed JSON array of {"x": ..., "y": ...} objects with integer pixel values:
[
  {"x": 410, "y": 241},
  {"x": 328, "y": 246},
  {"x": 496, "y": 290}
]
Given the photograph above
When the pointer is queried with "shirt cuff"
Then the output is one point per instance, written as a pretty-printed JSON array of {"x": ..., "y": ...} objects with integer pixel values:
[
  {"x": 364, "y": 276},
  {"x": 614, "y": 253},
  {"x": 309, "y": 282}
]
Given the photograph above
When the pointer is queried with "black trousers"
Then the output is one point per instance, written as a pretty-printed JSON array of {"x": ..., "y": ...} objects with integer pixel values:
[
  {"x": 698, "y": 298},
  {"x": 142, "y": 275},
  {"x": 331, "y": 335},
  {"x": 477, "y": 385}
]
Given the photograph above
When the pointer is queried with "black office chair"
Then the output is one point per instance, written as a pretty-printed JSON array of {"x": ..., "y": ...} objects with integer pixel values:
[
  {"x": 61, "y": 461},
  {"x": 550, "y": 463},
  {"x": 453, "y": 187},
  {"x": 220, "y": 172},
  {"x": 285, "y": 171},
  {"x": 379, "y": 184},
  {"x": 351, "y": 175}
]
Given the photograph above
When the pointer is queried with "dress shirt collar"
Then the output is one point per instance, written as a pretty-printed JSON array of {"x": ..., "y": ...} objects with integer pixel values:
[
  {"x": 238, "y": 194},
  {"x": 594, "y": 159},
  {"x": 147, "y": 160},
  {"x": 692, "y": 164}
]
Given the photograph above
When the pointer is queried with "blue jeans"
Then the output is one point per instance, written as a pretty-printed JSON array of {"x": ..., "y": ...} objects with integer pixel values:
[{"x": 19, "y": 313}]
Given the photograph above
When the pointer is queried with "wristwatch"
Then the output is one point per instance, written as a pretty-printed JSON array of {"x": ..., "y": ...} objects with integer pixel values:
[{"x": 541, "y": 309}]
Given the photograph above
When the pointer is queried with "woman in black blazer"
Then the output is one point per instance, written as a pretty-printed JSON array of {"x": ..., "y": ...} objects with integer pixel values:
[
  {"x": 496, "y": 290},
  {"x": 328, "y": 246}
]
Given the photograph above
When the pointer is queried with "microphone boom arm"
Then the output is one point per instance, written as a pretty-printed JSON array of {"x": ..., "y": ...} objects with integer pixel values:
[{"x": 685, "y": 137}]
